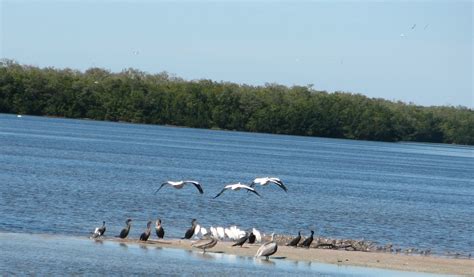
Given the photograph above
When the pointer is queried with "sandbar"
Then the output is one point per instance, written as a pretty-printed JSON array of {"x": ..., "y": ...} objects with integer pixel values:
[{"x": 404, "y": 262}]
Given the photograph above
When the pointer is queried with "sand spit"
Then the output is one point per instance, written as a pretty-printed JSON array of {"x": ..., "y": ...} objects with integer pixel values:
[{"x": 394, "y": 261}]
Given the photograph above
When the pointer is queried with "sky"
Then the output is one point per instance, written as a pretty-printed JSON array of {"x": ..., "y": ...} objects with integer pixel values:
[{"x": 413, "y": 51}]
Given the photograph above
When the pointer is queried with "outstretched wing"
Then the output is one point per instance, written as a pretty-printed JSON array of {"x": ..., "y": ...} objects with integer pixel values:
[
  {"x": 252, "y": 185},
  {"x": 197, "y": 185},
  {"x": 279, "y": 183},
  {"x": 162, "y": 185},
  {"x": 224, "y": 189},
  {"x": 260, "y": 181},
  {"x": 253, "y": 190}
]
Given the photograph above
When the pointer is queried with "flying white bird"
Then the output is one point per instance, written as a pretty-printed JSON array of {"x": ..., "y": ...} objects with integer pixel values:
[
  {"x": 268, "y": 180},
  {"x": 237, "y": 186},
  {"x": 180, "y": 185}
]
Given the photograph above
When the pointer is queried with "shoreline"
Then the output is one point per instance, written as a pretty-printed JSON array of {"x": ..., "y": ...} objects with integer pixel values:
[{"x": 401, "y": 262}]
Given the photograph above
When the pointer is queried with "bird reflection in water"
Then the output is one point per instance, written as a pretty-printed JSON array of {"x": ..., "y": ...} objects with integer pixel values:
[
  {"x": 204, "y": 256},
  {"x": 98, "y": 241},
  {"x": 265, "y": 262}
]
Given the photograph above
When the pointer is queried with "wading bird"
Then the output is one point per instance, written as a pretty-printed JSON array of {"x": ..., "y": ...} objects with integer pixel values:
[
  {"x": 205, "y": 244},
  {"x": 190, "y": 232},
  {"x": 160, "y": 232},
  {"x": 126, "y": 230},
  {"x": 267, "y": 249},
  {"x": 237, "y": 186},
  {"x": 145, "y": 235},
  {"x": 99, "y": 231},
  {"x": 295, "y": 241},
  {"x": 268, "y": 180},
  {"x": 307, "y": 242},
  {"x": 180, "y": 185}
]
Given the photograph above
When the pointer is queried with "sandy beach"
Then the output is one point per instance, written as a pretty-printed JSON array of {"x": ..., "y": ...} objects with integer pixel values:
[{"x": 404, "y": 262}]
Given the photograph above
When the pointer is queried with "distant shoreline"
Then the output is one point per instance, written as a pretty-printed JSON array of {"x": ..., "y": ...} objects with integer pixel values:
[
  {"x": 161, "y": 99},
  {"x": 401, "y": 262}
]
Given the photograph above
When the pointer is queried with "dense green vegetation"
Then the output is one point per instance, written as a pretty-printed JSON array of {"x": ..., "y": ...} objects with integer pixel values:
[{"x": 136, "y": 96}]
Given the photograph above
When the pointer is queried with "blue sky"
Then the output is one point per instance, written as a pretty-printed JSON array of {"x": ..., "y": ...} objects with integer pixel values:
[{"x": 363, "y": 47}]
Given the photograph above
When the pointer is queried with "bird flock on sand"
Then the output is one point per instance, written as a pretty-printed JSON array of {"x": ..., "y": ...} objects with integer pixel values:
[{"x": 210, "y": 237}]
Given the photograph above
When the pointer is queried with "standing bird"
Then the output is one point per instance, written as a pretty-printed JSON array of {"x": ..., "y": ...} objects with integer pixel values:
[
  {"x": 220, "y": 232},
  {"x": 203, "y": 231},
  {"x": 307, "y": 242},
  {"x": 205, "y": 244},
  {"x": 197, "y": 229},
  {"x": 257, "y": 234},
  {"x": 126, "y": 230},
  {"x": 294, "y": 242},
  {"x": 237, "y": 186},
  {"x": 251, "y": 238},
  {"x": 268, "y": 180},
  {"x": 267, "y": 249},
  {"x": 160, "y": 232},
  {"x": 99, "y": 231},
  {"x": 145, "y": 235},
  {"x": 241, "y": 241},
  {"x": 180, "y": 185},
  {"x": 190, "y": 232},
  {"x": 214, "y": 232}
]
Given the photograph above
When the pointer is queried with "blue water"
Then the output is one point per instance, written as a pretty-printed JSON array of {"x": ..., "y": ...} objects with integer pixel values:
[{"x": 63, "y": 176}]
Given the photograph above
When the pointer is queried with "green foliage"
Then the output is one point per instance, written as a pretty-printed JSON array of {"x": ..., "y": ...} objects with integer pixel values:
[{"x": 136, "y": 96}]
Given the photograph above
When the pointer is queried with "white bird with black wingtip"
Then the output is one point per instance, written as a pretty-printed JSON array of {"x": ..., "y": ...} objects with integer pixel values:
[
  {"x": 268, "y": 180},
  {"x": 236, "y": 187},
  {"x": 180, "y": 185}
]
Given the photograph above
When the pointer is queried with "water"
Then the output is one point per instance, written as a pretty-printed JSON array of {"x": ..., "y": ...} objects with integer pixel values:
[
  {"x": 61, "y": 256},
  {"x": 62, "y": 176}
]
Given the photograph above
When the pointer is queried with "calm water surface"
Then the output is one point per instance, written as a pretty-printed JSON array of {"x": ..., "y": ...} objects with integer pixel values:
[
  {"x": 62, "y": 176},
  {"x": 59, "y": 256}
]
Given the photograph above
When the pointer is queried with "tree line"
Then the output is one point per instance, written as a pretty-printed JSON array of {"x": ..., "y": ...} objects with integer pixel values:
[{"x": 136, "y": 96}]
